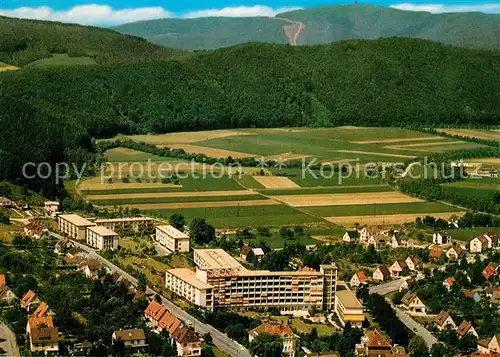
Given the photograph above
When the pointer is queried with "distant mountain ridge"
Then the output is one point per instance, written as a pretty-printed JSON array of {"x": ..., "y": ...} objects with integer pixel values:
[{"x": 322, "y": 25}]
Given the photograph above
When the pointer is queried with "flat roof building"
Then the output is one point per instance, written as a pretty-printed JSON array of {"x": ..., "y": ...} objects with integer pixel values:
[
  {"x": 73, "y": 225},
  {"x": 220, "y": 281},
  {"x": 347, "y": 307},
  {"x": 102, "y": 238},
  {"x": 127, "y": 224},
  {"x": 172, "y": 239}
]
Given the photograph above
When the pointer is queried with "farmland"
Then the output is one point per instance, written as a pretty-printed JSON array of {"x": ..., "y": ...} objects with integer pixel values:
[{"x": 282, "y": 195}]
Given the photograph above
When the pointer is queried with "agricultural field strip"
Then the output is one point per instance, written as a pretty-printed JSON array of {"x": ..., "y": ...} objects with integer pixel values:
[
  {"x": 398, "y": 140},
  {"x": 345, "y": 199},
  {"x": 326, "y": 190},
  {"x": 388, "y": 219},
  {"x": 180, "y": 205},
  {"x": 276, "y": 182},
  {"x": 210, "y": 152},
  {"x": 132, "y": 201},
  {"x": 475, "y": 185},
  {"x": 106, "y": 187},
  {"x": 186, "y": 137},
  {"x": 374, "y": 153},
  {"x": 482, "y": 134},
  {"x": 171, "y": 195},
  {"x": 409, "y": 146}
]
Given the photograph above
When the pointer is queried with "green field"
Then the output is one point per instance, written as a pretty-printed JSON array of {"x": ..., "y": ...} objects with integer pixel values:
[
  {"x": 59, "y": 60},
  {"x": 127, "y": 155},
  {"x": 131, "y": 201},
  {"x": 475, "y": 187},
  {"x": 320, "y": 191},
  {"x": 231, "y": 217},
  {"x": 382, "y": 209}
]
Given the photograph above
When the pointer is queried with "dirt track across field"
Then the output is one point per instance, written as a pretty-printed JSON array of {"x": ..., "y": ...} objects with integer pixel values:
[
  {"x": 412, "y": 146},
  {"x": 210, "y": 152},
  {"x": 181, "y": 205},
  {"x": 286, "y": 157},
  {"x": 345, "y": 199},
  {"x": 387, "y": 219},
  {"x": 170, "y": 195},
  {"x": 275, "y": 182}
]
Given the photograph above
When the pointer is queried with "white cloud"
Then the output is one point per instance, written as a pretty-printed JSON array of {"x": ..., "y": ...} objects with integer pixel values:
[
  {"x": 89, "y": 14},
  {"x": 241, "y": 11},
  {"x": 96, "y": 14},
  {"x": 493, "y": 8}
]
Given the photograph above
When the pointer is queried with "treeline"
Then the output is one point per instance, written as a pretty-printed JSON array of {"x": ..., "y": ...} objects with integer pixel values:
[
  {"x": 473, "y": 139},
  {"x": 386, "y": 318},
  {"x": 431, "y": 190}
]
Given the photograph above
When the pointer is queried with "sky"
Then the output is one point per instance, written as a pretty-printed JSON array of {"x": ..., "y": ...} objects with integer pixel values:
[{"x": 115, "y": 12}]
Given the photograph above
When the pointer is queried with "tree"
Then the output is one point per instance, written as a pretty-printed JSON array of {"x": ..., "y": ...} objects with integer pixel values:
[
  {"x": 207, "y": 352},
  {"x": 201, "y": 232},
  {"x": 266, "y": 345},
  {"x": 142, "y": 282},
  {"x": 177, "y": 221},
  {"x": 208, "y": 339},
  {"x": 417, "y": 347},
  {"x": 496, "y": 198}
]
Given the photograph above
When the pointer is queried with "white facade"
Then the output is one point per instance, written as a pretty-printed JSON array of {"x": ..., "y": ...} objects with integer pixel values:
[
  {"x": 73, "y": 225},
  {"x": 348, "y": 308},
  {"x": 102, "y": 238},
  {"x": 172, "y": 239},
  {"x": 127, "y": 224},
  {"x": 438, "y": 238}
]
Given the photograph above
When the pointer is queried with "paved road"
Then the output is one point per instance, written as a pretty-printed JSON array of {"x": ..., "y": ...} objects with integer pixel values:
[
  {"x": 10, "y": 343},
  {"x": 415, "y": 327},
  {"x": 384, "y": 289},
  {"x": 220, "y": 340}
]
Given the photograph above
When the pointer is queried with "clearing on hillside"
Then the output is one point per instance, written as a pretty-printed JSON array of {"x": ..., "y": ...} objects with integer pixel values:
[
  {"x": 185, "y": 137},
  {"x": 7, "y": 67},
  {"x": 275, "y": 182},
  {"x": 339, "y": 199}
]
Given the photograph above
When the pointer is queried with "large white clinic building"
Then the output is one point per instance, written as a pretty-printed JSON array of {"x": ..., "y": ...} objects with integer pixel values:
[
  {"x": 172, "y": 239},
  {"x": 221, "y": 281},
  {"x": 102, "y": 238}
]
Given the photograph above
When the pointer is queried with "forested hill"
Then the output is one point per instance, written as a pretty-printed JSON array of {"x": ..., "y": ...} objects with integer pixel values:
[
  {"x": 25, "y": 41},
  {"x": 324, "y": 24}
]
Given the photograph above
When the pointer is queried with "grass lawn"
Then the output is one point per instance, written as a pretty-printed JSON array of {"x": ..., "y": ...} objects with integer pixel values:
[
  {"x": 468, "y": 234},
  {"x": 380, "y": 209},
  {"x": 302, "y": 327},
  {"x": 133, "y": 246},
  {"x": 153, "y": 269},
  {"x": 252, "y": 216},
  {"x": 218, "y": 353},
  {"x": 276, "y": 241}
]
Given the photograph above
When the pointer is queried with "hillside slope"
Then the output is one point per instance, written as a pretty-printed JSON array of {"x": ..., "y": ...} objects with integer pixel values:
[
  {"x": 208, "y": 33},
  {"x": 25, "y": 41},
  {"x": 324, "y": 25}
]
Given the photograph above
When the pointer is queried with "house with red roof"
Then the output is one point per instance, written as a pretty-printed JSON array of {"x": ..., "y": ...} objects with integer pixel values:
[
  {"x": 154, "y": 312},
  {"x": 289, "y": 339},
  {"x": 435, "y": 253},
  {"x": 490, "y": 271},
  {"x": 448, "y": 283},
  {"x": 358, "y": 279}
]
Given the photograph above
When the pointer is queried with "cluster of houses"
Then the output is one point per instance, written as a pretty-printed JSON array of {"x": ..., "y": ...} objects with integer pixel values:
[
  {"x": 160, "y": 319},
  {"x": 444, "y": 322},
  {"x": 376, "y": 343},
  {"x": 377, "y": 238}
]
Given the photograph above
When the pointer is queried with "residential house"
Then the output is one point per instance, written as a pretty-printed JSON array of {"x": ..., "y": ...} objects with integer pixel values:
[
  {"x": 6, "y": 203},
  {"x": 444, "y": 321},
  {"x": 435, "y": 253},
  {"x": 374, "y": 343},
  {"x": 168, "y": 323},
  {"x": 350, "y": 237},
  {"x": 448, "y": 283},
  {"x": 29, "y": 299},
  {"x": 398, "y": 242},
  {"x": 381, "y": 273},
  {"x": 154, "y": 312},
  {"x": 358, "y": 279},
  {"x": 454, "y": 252},
  {"x": 43, "y": 336},
  {"x": 187, "y": 341},
  {"x": 414, "y": 263},
  {"x": 131, "y": 338},
  {"x": 51, "y": 207},
  {"x": 366, "y": 233},
  {"x": 412, "y": 303},
  {"x": 494, "y": 344},
  {"x": 34, "y": 230},
  {"x": 465, "y": 329},
  {"x": 474, "y": 295},
  {"x": 490, "y": 271},
  {"x": 441, "y": 238},
  {"x": 495, "y": 240},
  {"x": 379, "y": 241},
  {"x": 246, "y": 249},
  {"x": 91, "y": 269},
  {"x": 42, "y": 310},
  {"x": 5, "y": 293},
  {"x": 482, "y": 346},
  {"x": 63, "y": 246},
  {"x": 397, "y": 268},
  {"x": 405, "y": 285},
  {"x": 480, "y": 244},
  {"x": 289, "y": 339}
]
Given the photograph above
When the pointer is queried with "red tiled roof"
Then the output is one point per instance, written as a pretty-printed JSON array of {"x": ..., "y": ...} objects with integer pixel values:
[
  {"x": 273, "y": 329},
  {"x": 435, "y": 252},
  {"x": 489, "y": 271},
  {"x": 450, "y": 281},
  {"x": 155, "y": 310},
  {"x": 41, "y": 310},
  {"x": 130, "y": 335},
  {"x": 27, "y": 298},
  {"x": 361, "y": 276},
  {"x": 376, "y": 340},
  {"x": 35, "y": 322}
]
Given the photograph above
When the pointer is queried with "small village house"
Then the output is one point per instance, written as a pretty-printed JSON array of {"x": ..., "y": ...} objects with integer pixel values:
[
  {"x": 132, "y": 338},
  {"x": 406, "y": 284},
  {"x": 381, "y": 273},
  {"x": 246, "y": 249},
  {"x": 34, "y": 230},
  {"x": 42, "y": 335},
  {"x": 444, "y": 321},
  {"x": 154, "y": 312},
  {"x": 435, "y": 253},
  {"x": 188, "y": 343},
  {"x": 350, "y": 237},
  {"x": 448, "y": 283},
  {"x": 6, "y": 294},
  {"x": 414, "y": 263},
  {"x": 91, "y": 269},
  {"x": 454, "y": 252},
  {"x": 441, "y": 238},
  {"x": 397, "y": 268},
  {"x": 465, "y": 329},
  {"x": 490, "y": 271},
  {"x": 30, "y": 298},
  {"x": 379, "y": 241},
  {"x": 479, "y": 244},
  {"x": 6, "y": 203},
  {"x": 358, "y": 279},
  {"x": 412, "y": 304},
  {"x": 366, "y": 233},
  {"x": 474, "y": 295},
  {"x": 490, "y": 346},
  {"x": 289, "y": 339},
  {"x": 62, "y": 246},
  {"x": 398, "y": 242},
  {"x": 374, "y": 343},
  {"x": 51, "y": 207},
  {"x": 494, "y": 344}
]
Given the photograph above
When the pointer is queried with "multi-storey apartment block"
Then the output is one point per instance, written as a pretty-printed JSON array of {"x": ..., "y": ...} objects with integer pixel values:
[
  {"x": 102, "y": 238},
  {"x": 73, "y": 226},
  {"x": 348, "y": 307},
  {"x": 220, "y": 281},
  {"x": 128, "y": 224},
  {"x": 172, "y": 239}
]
